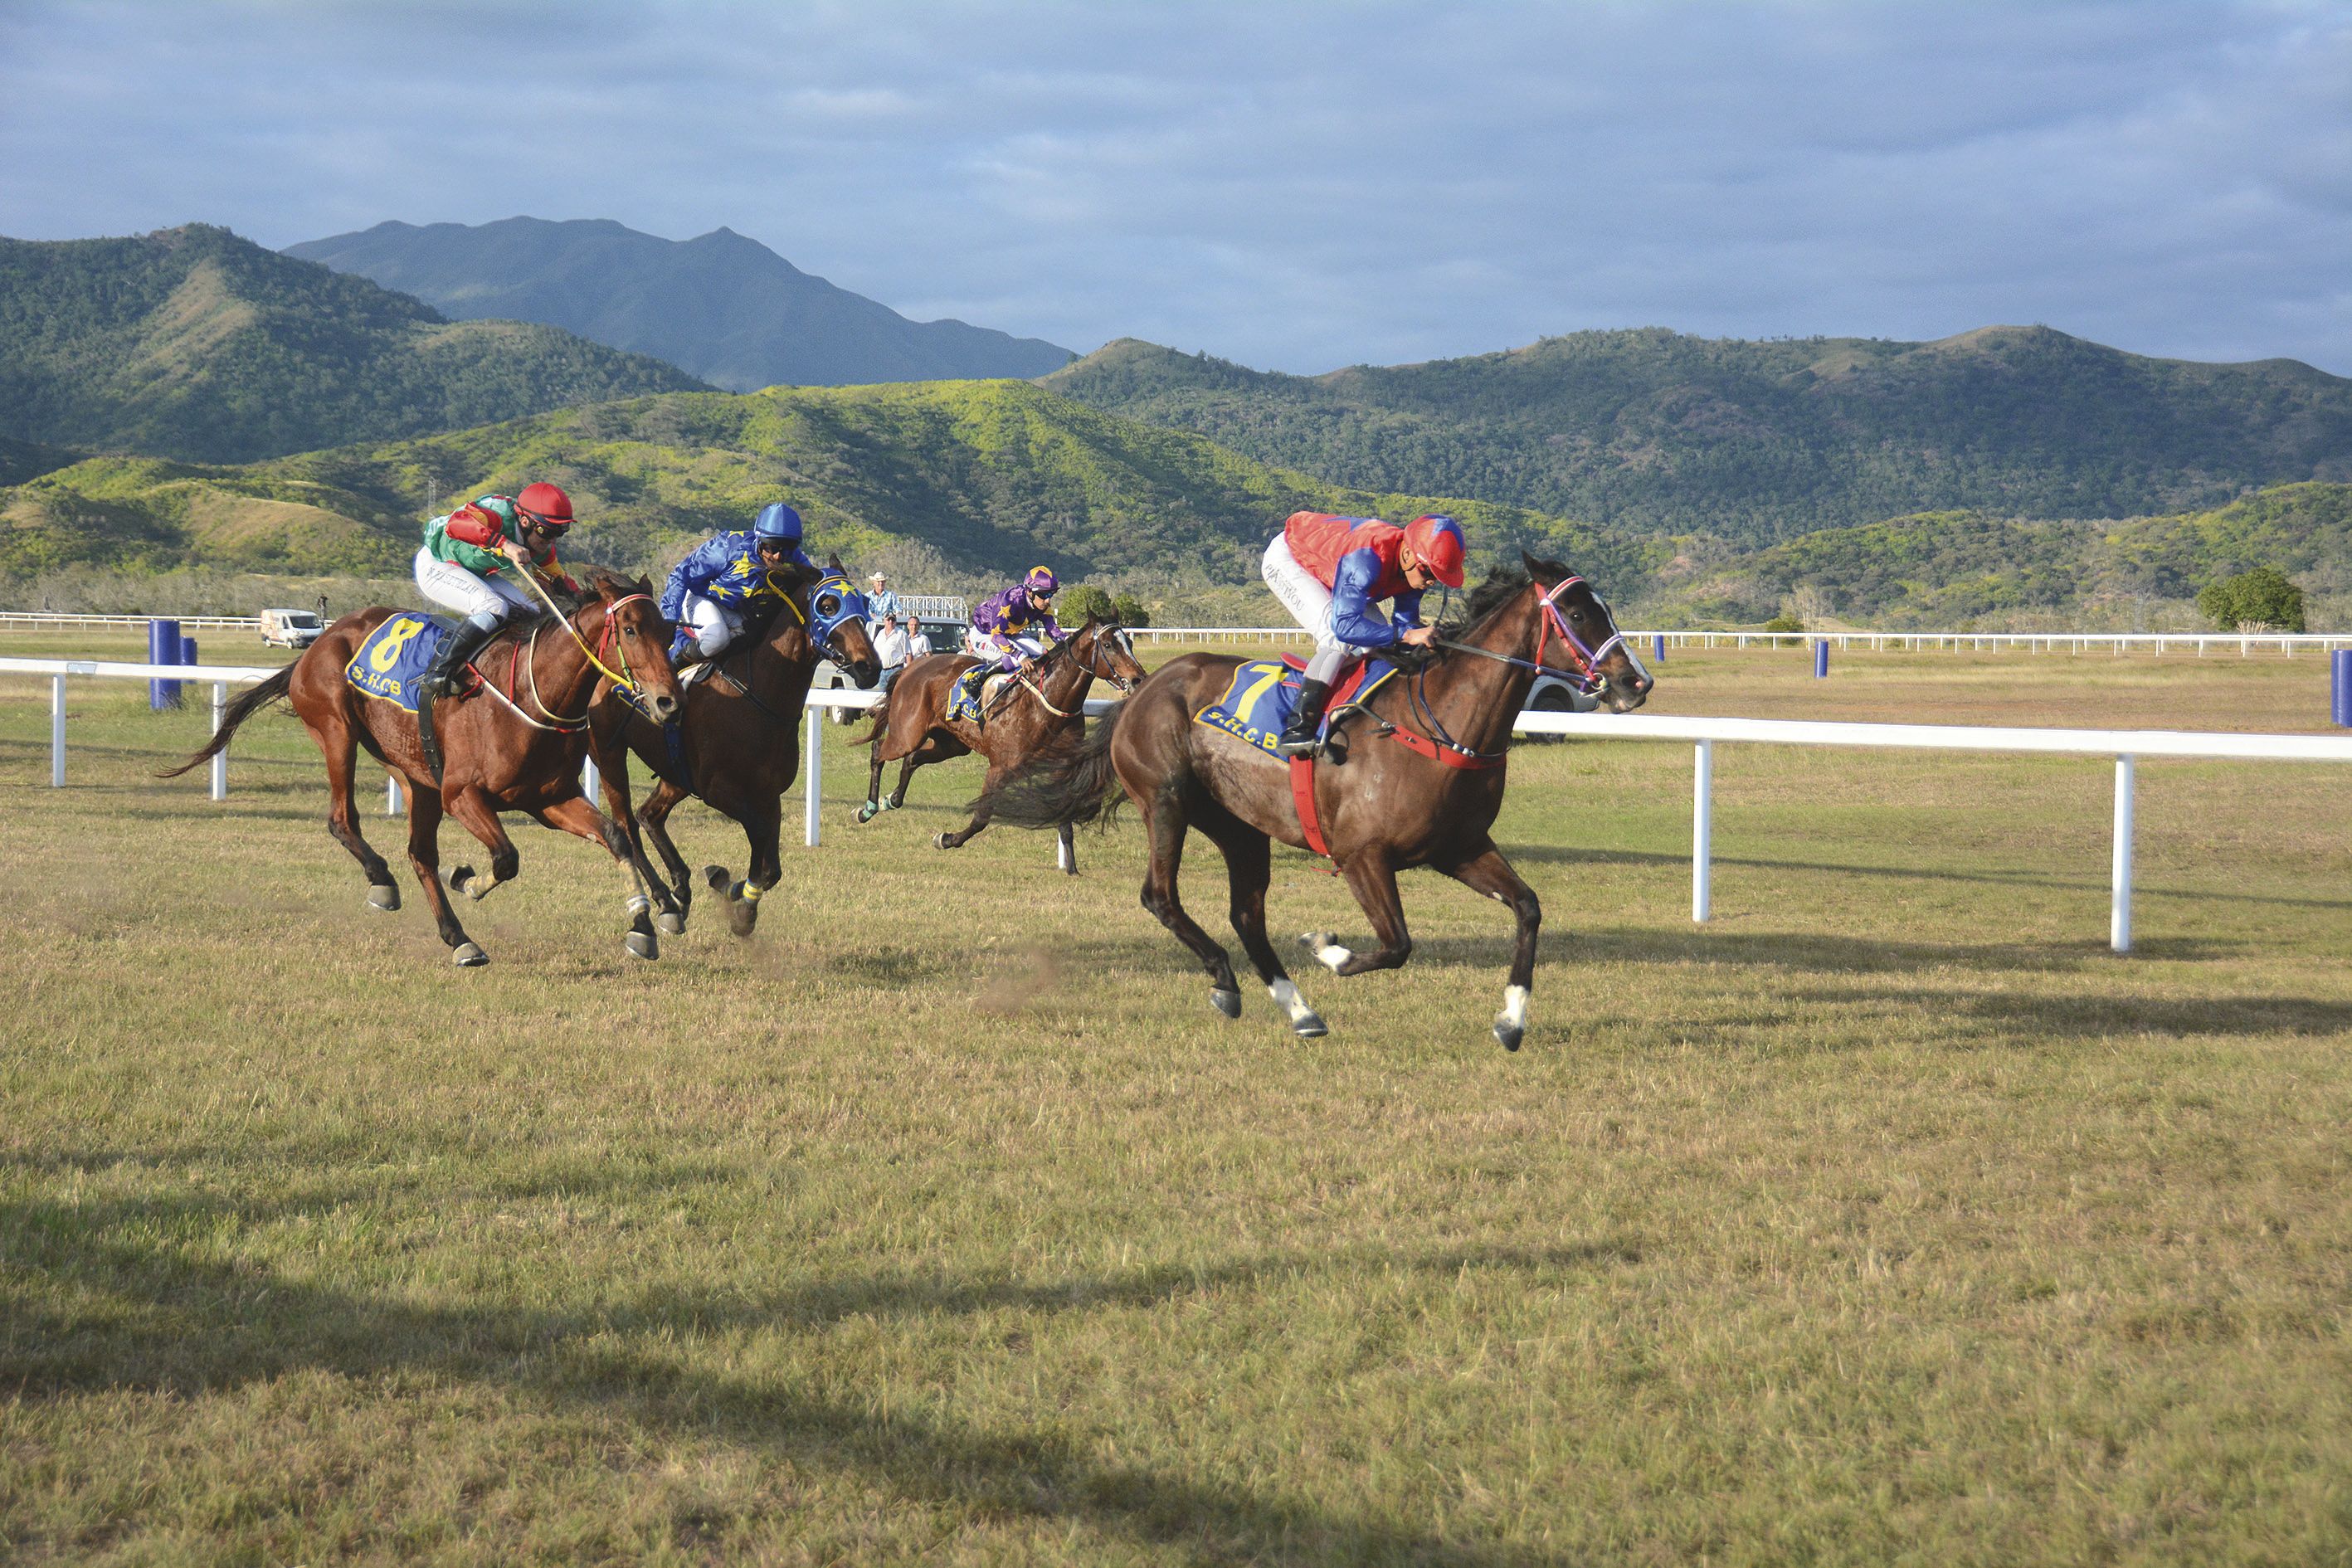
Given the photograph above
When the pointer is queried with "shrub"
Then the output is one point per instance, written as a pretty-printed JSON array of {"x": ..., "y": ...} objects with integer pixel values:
[
  {"x": 1084, "y": 600},
  {"x": 1784, "y": 621},
  {"x": 2259, "y": 600},
  {"x": 1132, "y": 612}
]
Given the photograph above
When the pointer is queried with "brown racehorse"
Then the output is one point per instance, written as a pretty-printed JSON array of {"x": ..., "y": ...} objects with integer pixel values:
[
  {"x": 1421, "y": 785},
  {"x": 515, "y": 745},
  {"x": 739, "y": 745},
  {"x": 1044, "y": 705}
]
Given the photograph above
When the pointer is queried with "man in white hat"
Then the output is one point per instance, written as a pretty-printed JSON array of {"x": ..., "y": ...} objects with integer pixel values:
[{"x": 880, "y": 603}]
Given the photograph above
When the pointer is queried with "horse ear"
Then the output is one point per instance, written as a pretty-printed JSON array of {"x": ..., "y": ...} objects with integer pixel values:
[
  {"x": 833, "y": 566},
  {"x": 1528, "y": 562}
]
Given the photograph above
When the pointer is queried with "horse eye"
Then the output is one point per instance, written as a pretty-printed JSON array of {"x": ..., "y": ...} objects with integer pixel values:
[{"x": 827, "y": 604}]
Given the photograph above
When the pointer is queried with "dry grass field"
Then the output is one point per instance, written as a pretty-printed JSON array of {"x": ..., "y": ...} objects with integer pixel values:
[{"x": 1889, "y": 1218}]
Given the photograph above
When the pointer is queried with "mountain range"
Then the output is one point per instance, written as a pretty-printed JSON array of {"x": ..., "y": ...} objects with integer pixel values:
[
  {"x": 722, "y": 307},
  {"x": 1652, "y": 431},
  {"x": 195, "y": 344}
]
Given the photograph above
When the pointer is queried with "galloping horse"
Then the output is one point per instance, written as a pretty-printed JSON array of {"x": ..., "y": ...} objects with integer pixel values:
[
  {"x": 1427, "y": 798},
  {"x": 1046, "y": 705},
  {"x": 737, "y": 744},
  {"x": 515, "y": 745}
]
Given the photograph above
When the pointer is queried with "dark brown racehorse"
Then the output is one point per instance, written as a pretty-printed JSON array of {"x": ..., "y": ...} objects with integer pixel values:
[
  {"x": 1044, "y": 705},
  {"x": 1421, "y": 785},
  {"x": 739, "y": 745},
  {"x": 515, "y": 745}
]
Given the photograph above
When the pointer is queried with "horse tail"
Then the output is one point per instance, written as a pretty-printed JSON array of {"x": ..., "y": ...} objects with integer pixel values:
[
  {"x": 270, "y": 690},
  {"x": 880, "y": 714},
  {"x": 1062, "y": 786}
]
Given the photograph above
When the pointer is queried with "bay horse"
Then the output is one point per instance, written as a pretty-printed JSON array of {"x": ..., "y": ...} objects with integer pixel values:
[
  {"x": 516, "y": 744},
  {"x": 1048, "y": 705},
  {"x": 738, "y": 744},
  {"x": 1421, "y": 785}
]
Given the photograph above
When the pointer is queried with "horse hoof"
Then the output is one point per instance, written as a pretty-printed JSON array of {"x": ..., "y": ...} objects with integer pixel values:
[
  {"x": 867, "y": 812},
  {"x": 1509, "y": 1034},
  {"x": 458, "y": 876},
  {"x": 641, "y": 944},
  {"x": 468, "y": 956},
  {"x": 1229, "y": 1003},
  {"x": 386, "y": 898},
  {"x": 1310, "y": 1027},
  {"x": 939, "y": 841},
  {"x": 670, "y": 923},
  {"x": 716, "y": 879}
]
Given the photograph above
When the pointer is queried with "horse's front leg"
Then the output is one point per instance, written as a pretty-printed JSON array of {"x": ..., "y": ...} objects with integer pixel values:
[
  {"x": 653, "y": 818},
  {"x": 1486, "y": 871},
  {"x": 612, "y": 758},
  {"x": 1372, "y": 879},
  {"x": 576, "y": 815},
  {"x": 425, "y": 813},
  {"x": 473, "y": 806},
  {"x": 763, "y": 832}
]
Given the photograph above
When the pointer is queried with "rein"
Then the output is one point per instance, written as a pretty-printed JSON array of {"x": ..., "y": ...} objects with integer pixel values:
[
  {"x": 1440, "y": 745},
  {"x": 526, "y": 666},
  {"x": 620, "y": 682}
]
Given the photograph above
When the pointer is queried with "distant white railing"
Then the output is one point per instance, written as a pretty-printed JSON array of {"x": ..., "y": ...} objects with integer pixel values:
[
  {"x": 2246, "y": 643},
  {"x": 2124, "y": 745},
  {"x": 47, "y": 621}
]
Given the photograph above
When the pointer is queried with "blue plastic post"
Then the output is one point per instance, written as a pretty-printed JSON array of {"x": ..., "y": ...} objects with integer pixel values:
[
  {"x": 2341, "y": 661},
  {"x": 163, "y": 647},
  {"x": 187, "y": 651},
  {"x": 1821, "y": 659},
  {"x": 1661, "y": 648}
]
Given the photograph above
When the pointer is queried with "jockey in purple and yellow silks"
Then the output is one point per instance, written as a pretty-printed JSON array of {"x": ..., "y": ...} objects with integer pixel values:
[
  {"x": 711, "y": 592},
  {"x": 1011, "y": 625},
  {"x": 1328, "y": 571}
]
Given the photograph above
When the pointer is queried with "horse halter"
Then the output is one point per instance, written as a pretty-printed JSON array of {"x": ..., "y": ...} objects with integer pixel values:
[
  {"x": 1096, "y": 671},
  {"x": 1587, "y": 677}
]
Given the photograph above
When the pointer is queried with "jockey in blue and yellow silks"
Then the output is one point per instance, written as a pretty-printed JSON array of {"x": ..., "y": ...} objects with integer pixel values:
[{"x": 711, "y": 592}]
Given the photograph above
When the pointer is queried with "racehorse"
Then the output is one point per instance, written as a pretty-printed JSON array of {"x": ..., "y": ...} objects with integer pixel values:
[
  {"x": 1420, "y": 786},
  {"x": 515, "y": 745},
  {"x": 1045, "y": 705},
  {"x": 737, "y": 744}
]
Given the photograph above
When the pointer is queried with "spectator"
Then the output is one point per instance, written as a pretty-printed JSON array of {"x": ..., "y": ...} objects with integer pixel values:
[
  {"x": 880, "y": 601},
  {"x": 893, "y": 647}
]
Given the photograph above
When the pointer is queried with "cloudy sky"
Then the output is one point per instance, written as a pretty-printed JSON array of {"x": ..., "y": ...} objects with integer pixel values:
[{"x": 1294, "y": 185}]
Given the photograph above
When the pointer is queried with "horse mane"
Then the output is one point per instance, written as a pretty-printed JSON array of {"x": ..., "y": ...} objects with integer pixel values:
[{"x": 1488, "y": 600}]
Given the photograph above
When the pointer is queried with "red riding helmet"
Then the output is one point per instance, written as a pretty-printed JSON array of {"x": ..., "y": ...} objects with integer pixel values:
[
  {"x": 547, "y": 503},
  {"x": 1437, "y": 542}
]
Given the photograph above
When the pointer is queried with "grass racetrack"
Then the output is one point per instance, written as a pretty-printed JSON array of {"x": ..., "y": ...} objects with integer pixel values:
[{"x": 1889, "y": 1218}]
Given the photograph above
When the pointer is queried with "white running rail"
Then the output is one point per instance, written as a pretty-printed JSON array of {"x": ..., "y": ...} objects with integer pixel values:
[{"x": 2124, "y": 745}]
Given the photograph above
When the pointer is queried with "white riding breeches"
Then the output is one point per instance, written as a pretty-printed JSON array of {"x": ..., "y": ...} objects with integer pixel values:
[
  {"x": 992, "y": 648},
  {"x": 453, "y": 587},
  {"x": 715, "y": 625},
  {"x": 1310, "y": 603}
]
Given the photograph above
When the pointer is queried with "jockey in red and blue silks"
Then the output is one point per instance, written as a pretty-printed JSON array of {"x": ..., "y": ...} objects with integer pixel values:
[
  {"x": 1011, "y": 624},
  {"x": 711, "y": 592},
  {"x": 1328, "y": 571}
]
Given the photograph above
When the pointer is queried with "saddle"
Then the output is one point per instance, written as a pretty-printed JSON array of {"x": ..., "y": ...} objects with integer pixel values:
[
  {"x": 975, "y": 693},
  {"x": 1258, "y": 702}
]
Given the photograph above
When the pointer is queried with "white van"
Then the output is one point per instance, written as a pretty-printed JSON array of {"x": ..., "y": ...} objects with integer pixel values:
[{"x": 290, "y": 628}]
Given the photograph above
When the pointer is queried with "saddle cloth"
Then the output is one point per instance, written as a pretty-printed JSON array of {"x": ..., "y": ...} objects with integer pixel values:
[
  {"x": 391, "y": 664},
  {"x": 971, "y": 699},
  {"x": 1263, "y": 694}
]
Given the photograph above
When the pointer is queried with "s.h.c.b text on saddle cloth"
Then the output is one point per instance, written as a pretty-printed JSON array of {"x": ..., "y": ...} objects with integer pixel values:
[
  {"x": 391, "y": 664},
  {"x": 1263, "y": 694}
]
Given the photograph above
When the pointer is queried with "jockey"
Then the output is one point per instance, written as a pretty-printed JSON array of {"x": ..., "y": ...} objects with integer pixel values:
[
  {"x": 1328, "y": 571},
  {"x": 709, "y": 592},
  {"x": 471, "y": 560},
  {"x": 1010, "y": 624}
]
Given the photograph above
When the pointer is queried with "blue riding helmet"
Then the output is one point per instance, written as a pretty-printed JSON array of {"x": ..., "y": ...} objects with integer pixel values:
[
  {"x": 777, "y": 521},
  {"x": 832, "y": 602}
]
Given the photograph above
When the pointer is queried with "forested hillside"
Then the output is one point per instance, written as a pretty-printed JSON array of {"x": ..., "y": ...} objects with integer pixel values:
[
  {"x": 982, "y": 478},
  {"x": 195, "y": 344},
  {"x": 1650, "y": 431},
  {"x": 724, "y": 306}
]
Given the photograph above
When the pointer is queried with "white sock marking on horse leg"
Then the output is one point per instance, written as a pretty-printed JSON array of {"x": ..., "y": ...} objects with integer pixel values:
[
  {"x": 1331, "y": 955},
  {"x": 1515, "y": 1007},
  {"x": 1287, "y": 996},
  {"x": 639, "y": 903}
]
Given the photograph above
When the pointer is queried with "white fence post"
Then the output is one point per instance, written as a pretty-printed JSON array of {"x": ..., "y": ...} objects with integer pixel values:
[
  {"x": 812, "y": 760},
  {"x": 57, "y": 731},
  {"x": 392, "y": 794},
  {"x": 2119, "y": 914},
  {"x": 220, "y": 758},
  {"x": 1702, "y": 833},
  {"x": 591, "y": 783}
]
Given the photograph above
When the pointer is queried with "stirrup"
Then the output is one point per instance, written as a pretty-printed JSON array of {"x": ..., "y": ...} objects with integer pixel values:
[{"x": 1311, "y": 746}]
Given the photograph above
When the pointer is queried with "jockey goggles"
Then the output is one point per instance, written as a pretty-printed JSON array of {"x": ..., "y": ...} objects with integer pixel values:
[{"x": 553, "y": 527}]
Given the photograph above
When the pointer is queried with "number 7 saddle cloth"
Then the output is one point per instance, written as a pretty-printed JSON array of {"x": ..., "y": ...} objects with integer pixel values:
[
  {"x": 1263, "y": 694},
  {"x": 391, "y": 664}
]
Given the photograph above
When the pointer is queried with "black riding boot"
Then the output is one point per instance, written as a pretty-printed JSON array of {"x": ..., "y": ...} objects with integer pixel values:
[
  {"x": 1297, "y": 738},
  {"x": 451, "y": 657}
]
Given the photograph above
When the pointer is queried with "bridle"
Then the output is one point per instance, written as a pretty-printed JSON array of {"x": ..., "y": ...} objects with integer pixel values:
[
  {"x": 526, "y": 664},
  {"x": 1586, "y": 675},
  {"x": 1094, "y": 652}
]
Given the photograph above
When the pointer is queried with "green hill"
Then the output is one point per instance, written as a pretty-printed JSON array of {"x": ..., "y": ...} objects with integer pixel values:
[
  {"x": 1945, "y": 570},
  {"x": 195, "y": 344},
  {"x": 989, "y": 477},
  {"x": 1650, "y": 431}
]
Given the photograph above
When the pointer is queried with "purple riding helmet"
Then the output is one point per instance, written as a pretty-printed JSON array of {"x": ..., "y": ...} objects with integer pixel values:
[{"x": 1040, "y": 580}]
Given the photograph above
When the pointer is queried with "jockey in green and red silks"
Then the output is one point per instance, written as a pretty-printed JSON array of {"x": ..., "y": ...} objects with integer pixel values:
[
  {"x": 1328, "y": 571},
  {"x": 471, "y": 560},
  {"x": 1011, "y": 624}
]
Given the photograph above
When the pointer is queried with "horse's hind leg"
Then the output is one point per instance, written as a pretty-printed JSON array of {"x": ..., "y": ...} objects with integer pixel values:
[
  {"x": 1248, "y": 868},
  {"x": 1164, "y": 818},
  {"x": 341, "y": 748},
  {"x": 1373, "y": 882},
  {"x": 1486, "y": 871},
  {"x": 425, "y": 854},
  {"x": 653, "y": 818},
  {"x": 474, "y": 808},
  {"x": 980, "y": 819}
]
